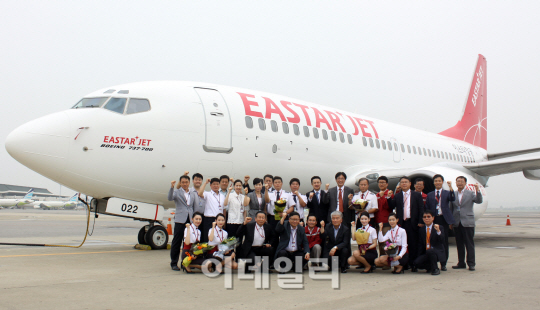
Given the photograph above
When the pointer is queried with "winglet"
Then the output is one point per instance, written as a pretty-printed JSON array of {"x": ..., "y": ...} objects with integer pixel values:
[{"x": 472, "y": 127}]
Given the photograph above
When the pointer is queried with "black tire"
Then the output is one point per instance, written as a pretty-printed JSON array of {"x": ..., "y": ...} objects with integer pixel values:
[
  {"x": 141, "y": 237},
  {"x": 157, "y": 237}
]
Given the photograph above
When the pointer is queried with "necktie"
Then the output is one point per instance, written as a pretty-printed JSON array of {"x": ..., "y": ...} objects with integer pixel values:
[
  {"x": 428, "y": 235},
  {"x": 294, "y": 197},
  {"x": 317, "y": 196},
  {"x": 362, "y": 195},
  {"x": 405, "y": 206},
  {"x": 438, "y": 196},
  {"x": 340, "y": 200},
  {"x": 277, "y": 195}
]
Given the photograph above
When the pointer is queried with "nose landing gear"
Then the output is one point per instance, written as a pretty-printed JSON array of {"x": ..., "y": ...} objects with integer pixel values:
[{"x": 155, "y": 236}]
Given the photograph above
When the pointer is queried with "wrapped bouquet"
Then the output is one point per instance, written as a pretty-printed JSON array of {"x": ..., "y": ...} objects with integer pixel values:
[
  {"x": 279, "y": 206},
  {"x": 225, "y": 246},
  {"x": 362, "y": 238},
  {"x": 200, "y": 248},
  {"x": 359, "y": 205},
  {"x": 391, "y": 250}
]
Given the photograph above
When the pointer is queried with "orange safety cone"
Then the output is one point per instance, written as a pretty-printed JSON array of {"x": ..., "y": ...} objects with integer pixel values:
[
  {"x": 169, "y": 227},
  {"x": 508, "y": 220}
]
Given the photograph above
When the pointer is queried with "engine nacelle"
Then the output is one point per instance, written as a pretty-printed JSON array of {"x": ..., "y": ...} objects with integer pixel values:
[{"x": 532, "y": 174}]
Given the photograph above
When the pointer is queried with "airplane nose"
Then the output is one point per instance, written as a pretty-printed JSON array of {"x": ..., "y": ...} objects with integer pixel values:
[{"x": 42, "y": 144}]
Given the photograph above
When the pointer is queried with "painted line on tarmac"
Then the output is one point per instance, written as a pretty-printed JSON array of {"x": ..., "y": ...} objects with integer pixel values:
[{"x": 55, "y": 254}]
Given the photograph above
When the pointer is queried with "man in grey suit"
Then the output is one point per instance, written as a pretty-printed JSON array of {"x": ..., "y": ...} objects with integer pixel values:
[
  {"x": 463, "y": 212},
  {"x": 185, "y": 201},
  {"x": 338, "y": 200}
]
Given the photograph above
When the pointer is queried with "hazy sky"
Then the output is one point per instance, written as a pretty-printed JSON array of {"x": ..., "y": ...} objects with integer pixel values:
[{"x": 408, "y": 62}]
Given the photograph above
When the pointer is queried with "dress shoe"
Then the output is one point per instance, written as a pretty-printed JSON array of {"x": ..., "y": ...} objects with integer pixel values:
[
  {"x": 175, "y": 268},
  {"x": 471, "y": 268},
  {"x": 443, "y": 268},
  {"x": 414, "y": 269},
  {"x": 343, "y": 270},
  {"x": 436, "y": 272},
  {"x": 458, "y": 266}
]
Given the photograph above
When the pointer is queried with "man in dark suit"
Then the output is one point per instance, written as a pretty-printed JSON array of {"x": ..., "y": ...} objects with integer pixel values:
[
  {"x": 337, "y": 241},
  {"x": 463, "y": 211},
  {"x": 338, "y": 199},
  {"x": 409, "y": 208},
  {"x": 316, "y": 199},
  {"x": 430, "y": 245},
  {"x": 438, "y": 201},
  {"x": 258, "y": 237},
  {"x": 292, "y": 241}
]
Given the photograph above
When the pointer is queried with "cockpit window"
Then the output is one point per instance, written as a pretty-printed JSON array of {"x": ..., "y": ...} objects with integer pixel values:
[
  {"x": 137, "y": 106},
  {"x": 116, "y": 105},
  {"x": 90, "y": 102}
]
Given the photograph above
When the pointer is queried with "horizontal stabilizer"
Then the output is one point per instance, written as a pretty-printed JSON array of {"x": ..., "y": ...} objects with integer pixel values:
[{"x": 504, "y": 166}]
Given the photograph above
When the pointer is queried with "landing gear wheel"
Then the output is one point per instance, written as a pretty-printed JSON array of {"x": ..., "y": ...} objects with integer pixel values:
[
  {"x": 141, "y": 236},
  {"x": 157, "y": 237}
]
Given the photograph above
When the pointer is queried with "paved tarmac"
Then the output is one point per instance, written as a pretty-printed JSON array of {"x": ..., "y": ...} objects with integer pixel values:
[{"x": 107, "y": 273}]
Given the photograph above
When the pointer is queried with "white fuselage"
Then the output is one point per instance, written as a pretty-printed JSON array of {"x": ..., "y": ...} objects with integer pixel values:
[{"x": 185, "y": 131}]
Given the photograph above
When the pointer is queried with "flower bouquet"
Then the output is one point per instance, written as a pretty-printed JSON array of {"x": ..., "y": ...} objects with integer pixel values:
[
  {"x": 200, "y": 248},
  {"x": 225, "y": 246},
  {"x": 359, "y": 205},
  {"x": 187, "y": 260},
  {"x": 279, "y": 206},
  {"x": 391, "y": 249},
  {"x": 362, "y": 238}
]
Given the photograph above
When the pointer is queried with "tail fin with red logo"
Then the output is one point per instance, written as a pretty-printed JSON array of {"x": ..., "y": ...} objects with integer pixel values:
[{"x": 472, "y": 127}]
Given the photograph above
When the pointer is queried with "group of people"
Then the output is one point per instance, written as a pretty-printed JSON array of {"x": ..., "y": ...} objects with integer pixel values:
[{"x": 416, "y": 225}]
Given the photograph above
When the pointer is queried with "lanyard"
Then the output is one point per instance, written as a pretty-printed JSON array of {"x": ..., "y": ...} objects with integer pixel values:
[
  {"x": 392, "y": 235},
  {"x": 440, "y": 196},
  {"x": 462, "y": 193},
  {"x": 217, "y": 234},
  {"x": 293, "y": 236},
  {"x": 366, "y": 229},
  {"x": 195, "y": 233},
  {"x": 257, "y": 227},
  {"x": 218, "y": 198}
]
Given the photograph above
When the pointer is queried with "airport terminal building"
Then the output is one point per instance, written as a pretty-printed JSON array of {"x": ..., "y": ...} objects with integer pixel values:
[{"x": 17, "y": 192}]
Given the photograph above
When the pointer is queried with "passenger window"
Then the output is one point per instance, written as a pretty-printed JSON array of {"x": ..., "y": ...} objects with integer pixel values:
[
  {"x": 396, "y": 147},
  {"x": 324, "y": 134},
  {"x": 402, "y": 148},
  {"x": 364, "y": 141},
  {"x": 429, "y": 152},
  {"x": 90, "y": 102},
  {"x": 349, "y": 138},
  {"x": 438, "y": 154},
  {"x": 377, "y": 143},
  {"x": 333, "y": 136},
  {"x": 296, "y": 129},
  {"x": 425, "y": 153},
  {"x": 455, "y": 157},
  {"x": 249, "y": 122},
  {"x": 341, "y": 137},
  {"x": 409, "y": 148},
  {"x": 285, "y": 128},
  {"x": 389, "y": 145},
  {"x": 371, "y": 142},
  {"x": 315, "y": 133},
  {"x": 116, "y": 105},
  {"x": 273, "y": 124},
  {"x": 414, "y": 149},
  {"x": 383, "y": 144},
  {"x": 137, "y": 106},
  {"x": 306, "y": 131},
  {"x": 262, "y": 124}
]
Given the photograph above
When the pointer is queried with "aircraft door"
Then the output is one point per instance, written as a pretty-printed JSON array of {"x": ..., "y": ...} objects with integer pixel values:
[
  {"x": 395, "y": 149},
  {"x": 218, "y": 137}
]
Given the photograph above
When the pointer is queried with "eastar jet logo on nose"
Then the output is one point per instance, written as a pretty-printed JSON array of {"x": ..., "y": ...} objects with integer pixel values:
[
  {"x": 136, "y": 144},
  {"x": 477, "y": 86}
]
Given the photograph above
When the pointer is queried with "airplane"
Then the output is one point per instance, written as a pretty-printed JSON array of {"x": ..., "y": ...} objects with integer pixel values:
[
  {"x": 122, "y": 145},
  {"x": 19, "y": 203},
  {"x": 48, "y": 205}
]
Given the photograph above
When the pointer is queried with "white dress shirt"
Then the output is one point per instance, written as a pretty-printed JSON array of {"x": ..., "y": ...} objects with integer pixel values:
[
  {"x": 316, "y": 194},
  {"x": 213, "y": 203},
  {"x": 372, "y": 198},
  {"x": 273, "y": 198},
  {"x": 292, "y": 240},
  {"x": 396, "y": 235},
  {"x": 439, "y": 210},
  {"x": 407, "y": 205},
  {"x": 258, "y": 238},
  {"x": 297, "y": 207},
  {"x": 219, "y": 236},
  {"x": 194, "y": 234}
]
